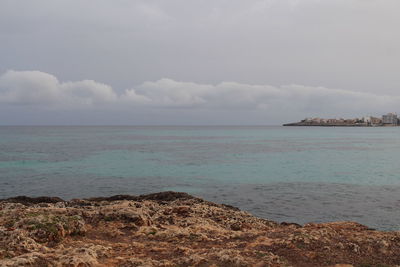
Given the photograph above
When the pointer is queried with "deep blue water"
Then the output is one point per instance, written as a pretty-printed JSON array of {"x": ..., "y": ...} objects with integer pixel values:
[{"x": 294, "y": 174}]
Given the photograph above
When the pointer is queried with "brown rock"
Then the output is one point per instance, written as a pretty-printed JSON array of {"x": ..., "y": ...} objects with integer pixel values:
[
  {"x": 182, "y": 210},
  {"x": 176, "y": 229}
]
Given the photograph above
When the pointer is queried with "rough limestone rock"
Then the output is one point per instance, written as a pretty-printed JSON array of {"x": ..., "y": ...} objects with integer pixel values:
[{"x": 176, "y": 229}]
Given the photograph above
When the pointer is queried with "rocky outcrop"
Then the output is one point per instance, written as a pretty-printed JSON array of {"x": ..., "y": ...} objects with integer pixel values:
[
  {"x": 176, "y": 229},
  {"x": 32, "y": 200}
]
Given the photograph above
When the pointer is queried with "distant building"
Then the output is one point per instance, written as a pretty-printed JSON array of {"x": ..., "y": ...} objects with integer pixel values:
[
  {"x": 366, "y": 120},
  {"x": 376, "y": 121},
  {"x": 389, "y": 119}
]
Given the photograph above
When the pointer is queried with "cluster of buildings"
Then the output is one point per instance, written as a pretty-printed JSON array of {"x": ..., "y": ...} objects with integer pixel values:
[{"x": 389, "y": 119}]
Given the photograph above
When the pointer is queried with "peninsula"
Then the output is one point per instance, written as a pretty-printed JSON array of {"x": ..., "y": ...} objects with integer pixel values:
[
  {"x": 176, "y": 229},
  {"x": 389, "y": 119}
]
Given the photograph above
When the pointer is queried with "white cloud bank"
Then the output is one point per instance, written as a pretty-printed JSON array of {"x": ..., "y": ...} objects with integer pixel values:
[
  {"x": 39, "y": 88},
  {"x": 43, "y": 90}
]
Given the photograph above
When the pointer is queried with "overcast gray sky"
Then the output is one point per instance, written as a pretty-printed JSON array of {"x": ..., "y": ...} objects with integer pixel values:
[{"x": 196, "y": 62}]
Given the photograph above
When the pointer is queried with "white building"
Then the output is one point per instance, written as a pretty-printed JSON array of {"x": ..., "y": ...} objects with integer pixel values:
[
  {"x": 390, "y": 118},
  {"x": 367, "y": 120}
]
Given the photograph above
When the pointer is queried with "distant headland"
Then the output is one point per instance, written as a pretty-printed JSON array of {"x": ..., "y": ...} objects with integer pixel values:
[{"x": 389, "y": 119}]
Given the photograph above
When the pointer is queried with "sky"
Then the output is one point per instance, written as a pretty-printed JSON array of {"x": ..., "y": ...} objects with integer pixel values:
[{"x": 209, "y": 62}]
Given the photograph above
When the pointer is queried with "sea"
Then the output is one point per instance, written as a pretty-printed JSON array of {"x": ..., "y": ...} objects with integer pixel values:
[{"x": 285, "y": 174}]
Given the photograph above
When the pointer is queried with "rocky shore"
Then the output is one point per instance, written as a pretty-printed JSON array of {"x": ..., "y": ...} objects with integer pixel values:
[{"x": 176, "y": 229}]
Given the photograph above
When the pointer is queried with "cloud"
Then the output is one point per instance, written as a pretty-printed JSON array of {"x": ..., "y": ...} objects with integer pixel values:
[
  {"x": 39, "y": 89},
  {"x": 168, "y": 93},
  {"x": 28, "y": 87}
]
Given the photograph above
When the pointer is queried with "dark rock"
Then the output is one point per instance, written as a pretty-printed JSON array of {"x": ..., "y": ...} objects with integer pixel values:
[
  {"x": 28, "y": 201},
  {"x": 161, "y": 197},
  {"x": 113, "y": 198},
  {"x": 166, "y": 196},
  {"x": 291, "y": 224},
  {"x": 236, "y": 226},
  {"x": 182, "y": 210},
  {"x": 230, "y": 207}
]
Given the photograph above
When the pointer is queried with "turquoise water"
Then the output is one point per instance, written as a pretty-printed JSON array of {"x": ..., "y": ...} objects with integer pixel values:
[{"x": 297, "y": 174}]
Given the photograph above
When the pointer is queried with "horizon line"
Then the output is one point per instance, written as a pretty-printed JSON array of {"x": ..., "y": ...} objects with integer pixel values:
[{"x": 136, "y": 125}]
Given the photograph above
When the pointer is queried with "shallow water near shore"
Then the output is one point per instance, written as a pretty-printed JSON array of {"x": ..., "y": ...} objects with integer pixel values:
[{"x": 293, "y": 174}]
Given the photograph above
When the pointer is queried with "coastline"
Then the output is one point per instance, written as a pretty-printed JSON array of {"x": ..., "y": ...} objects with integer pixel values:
[
  {"x": 389, "y": 119},
  {"x": 176, "y": 229},
  {"x": 335, "y": 125},
  {"x": 326, "y": 125}
]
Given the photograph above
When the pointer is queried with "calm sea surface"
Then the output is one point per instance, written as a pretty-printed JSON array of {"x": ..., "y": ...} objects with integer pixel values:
[{"x": 292, "y": 174}]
